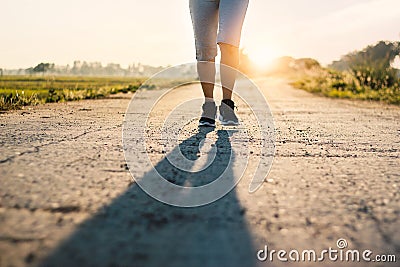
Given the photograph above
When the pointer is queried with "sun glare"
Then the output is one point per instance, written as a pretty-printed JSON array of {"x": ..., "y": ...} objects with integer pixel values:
[
  {"x": 396, "y": 62},
  {"x": 262, "y": 57}
]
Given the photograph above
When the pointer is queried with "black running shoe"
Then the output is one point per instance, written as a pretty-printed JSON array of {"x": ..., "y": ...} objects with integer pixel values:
[
  {"x": 227, "y": 114},
  {"x": 209, "y": 114}
]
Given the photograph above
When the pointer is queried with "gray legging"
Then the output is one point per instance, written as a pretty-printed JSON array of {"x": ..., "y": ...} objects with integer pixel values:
[{"x": 210, "y": 16}]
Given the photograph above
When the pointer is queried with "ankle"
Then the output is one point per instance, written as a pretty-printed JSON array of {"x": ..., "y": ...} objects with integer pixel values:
[{"x": 228, "y": 102}]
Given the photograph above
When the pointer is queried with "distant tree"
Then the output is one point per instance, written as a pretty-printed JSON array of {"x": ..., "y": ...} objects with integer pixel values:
[
  {"x": 76, "y": 67},
  {"x": 85, "y": 69},
  {"x": 1, "y": 72},
  {"x": 29, "y": 71},
  {"x": 372, "y": 66},
  {"x": 43, "y": 67},
  {"x": 306, "y": 63},
  {"x": 113, "y": 69}
]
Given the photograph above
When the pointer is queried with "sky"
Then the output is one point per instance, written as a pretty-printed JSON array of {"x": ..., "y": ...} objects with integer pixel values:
[{"x": 159, "y": 32}]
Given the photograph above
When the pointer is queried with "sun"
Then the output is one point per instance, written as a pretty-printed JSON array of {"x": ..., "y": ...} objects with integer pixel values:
[{"x": 262, "y": 58}]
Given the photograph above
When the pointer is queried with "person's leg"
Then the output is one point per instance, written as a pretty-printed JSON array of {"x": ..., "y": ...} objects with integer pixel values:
[
  {"x": 231, "y": 17},
  {"x": 205, "y": 25},
  {"x": 206, "y": 71},
  {"x": 204, "y": 16},
  {"x": 229, "y": 65}
]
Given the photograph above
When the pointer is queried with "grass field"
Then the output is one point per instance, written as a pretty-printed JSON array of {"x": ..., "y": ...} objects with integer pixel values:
[{"x": 19, "y": 91}]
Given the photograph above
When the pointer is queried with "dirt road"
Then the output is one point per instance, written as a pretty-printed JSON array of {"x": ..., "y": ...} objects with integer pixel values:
[{"x": 67, "y": 198}]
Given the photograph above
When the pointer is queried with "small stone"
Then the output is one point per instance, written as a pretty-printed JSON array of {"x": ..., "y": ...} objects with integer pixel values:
[
  {"x": 54, "y": 205},
  {"x": 284, "y": 231},
  {"x": 29, "y": 258}
]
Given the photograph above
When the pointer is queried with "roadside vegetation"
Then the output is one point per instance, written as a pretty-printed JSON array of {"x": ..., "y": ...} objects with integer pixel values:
[
  {"x": 19, "y": 91},
  {"x": 333, "y": 83},
  {"x": 370, "y": 74}
]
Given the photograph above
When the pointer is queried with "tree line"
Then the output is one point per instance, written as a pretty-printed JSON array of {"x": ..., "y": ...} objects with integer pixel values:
[{"x": 83, "y": 68}]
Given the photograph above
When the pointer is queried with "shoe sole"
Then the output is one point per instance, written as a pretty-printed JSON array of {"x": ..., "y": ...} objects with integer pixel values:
[
  {"x": 206, "y": 124},
  {"x": 227, "y": 123}
]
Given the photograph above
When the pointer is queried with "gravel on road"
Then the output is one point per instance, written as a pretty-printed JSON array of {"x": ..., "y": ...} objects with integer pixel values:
[{"x": 68, "y": 199}]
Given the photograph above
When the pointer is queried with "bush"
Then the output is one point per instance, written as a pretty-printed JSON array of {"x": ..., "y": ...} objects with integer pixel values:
[
  {"x": 367, "y": 75},
  {"x": 372, "y": 66}
]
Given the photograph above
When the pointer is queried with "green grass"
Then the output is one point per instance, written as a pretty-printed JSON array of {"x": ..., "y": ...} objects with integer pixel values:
[
  {"x": 337, "y": 84},
  {"x": 19, "y": 91}
]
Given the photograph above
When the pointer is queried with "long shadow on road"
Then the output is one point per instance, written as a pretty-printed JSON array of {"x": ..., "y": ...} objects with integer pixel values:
[{"x": 136, "y": 230}]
